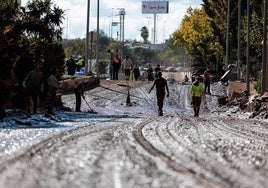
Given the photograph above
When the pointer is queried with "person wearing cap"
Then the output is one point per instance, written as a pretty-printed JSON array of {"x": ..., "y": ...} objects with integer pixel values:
[
  {"x": 197, "y": 91},
  {"x": 161, "y": 87}
]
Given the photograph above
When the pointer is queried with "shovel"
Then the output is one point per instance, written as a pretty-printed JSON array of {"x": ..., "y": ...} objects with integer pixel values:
[{"x": 90, "y": 109}]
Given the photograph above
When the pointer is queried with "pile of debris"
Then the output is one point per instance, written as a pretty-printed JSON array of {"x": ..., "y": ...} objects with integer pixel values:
[
  {"x": 237, "y": 95},
  {"x": 258, "y": 106}
]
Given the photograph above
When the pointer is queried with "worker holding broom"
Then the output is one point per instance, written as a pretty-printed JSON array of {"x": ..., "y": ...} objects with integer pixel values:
[{"x": 79, "y": 92}]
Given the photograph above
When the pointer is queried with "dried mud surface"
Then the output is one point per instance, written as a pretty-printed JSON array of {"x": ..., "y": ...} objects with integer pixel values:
[{"x": 130, "y": 146}]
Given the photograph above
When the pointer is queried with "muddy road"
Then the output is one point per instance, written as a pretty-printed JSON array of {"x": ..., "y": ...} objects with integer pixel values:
[{"x": 130, "y": 146}]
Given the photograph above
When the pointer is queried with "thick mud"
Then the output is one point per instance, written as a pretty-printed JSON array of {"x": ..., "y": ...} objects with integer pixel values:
[{"x": 130, "y": 146}]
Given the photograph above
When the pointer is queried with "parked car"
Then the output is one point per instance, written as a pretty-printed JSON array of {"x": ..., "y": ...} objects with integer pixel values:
[
  {"x": 170, "y": 79},
  {"x": 170, "y": 69}
]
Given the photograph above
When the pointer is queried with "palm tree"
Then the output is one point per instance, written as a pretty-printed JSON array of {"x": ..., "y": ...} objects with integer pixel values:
[{"x": 144, "y": 34}]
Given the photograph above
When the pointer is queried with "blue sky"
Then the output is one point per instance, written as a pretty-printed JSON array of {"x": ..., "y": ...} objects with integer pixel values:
[{"x": 76, "y": 12}]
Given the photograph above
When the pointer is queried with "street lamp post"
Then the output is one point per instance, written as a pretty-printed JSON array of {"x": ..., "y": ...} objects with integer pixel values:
[
  {"x": 87, "y": 39},
  {"x": 67, "y": 23},
  {"x": 112, "y": 23}
]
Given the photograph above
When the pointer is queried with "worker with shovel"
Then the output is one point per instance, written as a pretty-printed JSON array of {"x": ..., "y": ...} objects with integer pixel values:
[{"x": 79, "y": 92}]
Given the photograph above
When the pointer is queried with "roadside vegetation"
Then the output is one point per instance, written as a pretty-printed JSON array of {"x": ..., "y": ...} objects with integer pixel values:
[{"x": 33, "y": 34}]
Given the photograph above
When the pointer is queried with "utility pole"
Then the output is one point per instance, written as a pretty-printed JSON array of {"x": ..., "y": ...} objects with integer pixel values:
[
  {"x": 248, "y": 45},
  {"x": 227, "y": 35},
  {"x": 122, "y": 14},
  {"x": 264, "y": 48},
  {"x": 238, "y": 40},
  {"x": 98, "y": 34},
  {"x": 87, "y": 40},
  {"x": 67, "y": 23},
  {"x": 154, "y": 27}
]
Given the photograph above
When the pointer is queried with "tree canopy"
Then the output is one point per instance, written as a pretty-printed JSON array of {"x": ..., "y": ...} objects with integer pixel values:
[
  {"x": 29, "y": 35},
  {"x": 203, "y": 33}
]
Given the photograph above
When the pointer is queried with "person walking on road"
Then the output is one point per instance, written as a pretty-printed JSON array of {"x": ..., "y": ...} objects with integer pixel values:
[
  {"x": 150, "y": 75},
  {"x": 197, "y": 91},
  {"x": 136, "y": 72},
  {"x": 207, "y": 78},
  {"x": 79, "y": 92},
  {"x": 157, "y": 69},
  {"x": 116, "y": 66},
  {"x": 161, "y": 87}
]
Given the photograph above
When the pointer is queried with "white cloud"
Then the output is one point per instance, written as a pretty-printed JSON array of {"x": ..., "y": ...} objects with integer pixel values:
[{"x": 134, "y": 19}]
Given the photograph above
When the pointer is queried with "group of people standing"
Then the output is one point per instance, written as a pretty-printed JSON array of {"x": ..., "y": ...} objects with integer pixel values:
[
  {"x": 127, "y": 66},
  {"x": 73, "y": 65},
  {"x": 33, "y": 85}
]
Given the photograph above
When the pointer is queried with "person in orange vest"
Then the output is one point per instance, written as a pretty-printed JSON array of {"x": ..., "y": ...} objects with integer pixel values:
[
  {"x": 116, "y": 66},
  {"x": 197, "y": 91}
]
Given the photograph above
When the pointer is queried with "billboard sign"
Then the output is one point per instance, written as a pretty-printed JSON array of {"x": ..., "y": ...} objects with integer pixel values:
[{"x": 154, "y": 7}]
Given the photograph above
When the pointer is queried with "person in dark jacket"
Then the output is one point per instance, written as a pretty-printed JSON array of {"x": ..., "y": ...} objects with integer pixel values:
[
  {"x": 53, "y": 85},
  {"x": 79, "y": 92},
  {"x": 156, "y": 70},
  {"x": 161, "y": 86},
  {"x": 150, "y": 75},
  {"x": 71, "y": 66},
  {"x": 136, "y": 72},
  {"x": 34, "y": 84},
  {"x": 207, "y": 78}
]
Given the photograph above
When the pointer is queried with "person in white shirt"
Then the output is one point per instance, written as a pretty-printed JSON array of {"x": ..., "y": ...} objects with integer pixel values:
[{"x": 127, "y": 65}]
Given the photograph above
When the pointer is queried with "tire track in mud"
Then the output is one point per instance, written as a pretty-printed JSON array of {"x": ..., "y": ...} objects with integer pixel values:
[
  {"x": 25, "y": 167},
  {"x": 239, "y": 129},
  {"x": 178, "y": 166},
  {"x": 182, "y": 97},
  {"x": 233, "y": 149},
  {"x": 185, "y": 145},
  {"x": 250, "y": 143},
  {"x": 192, "y": 141},
  {"x": 126, "y": 166}
]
